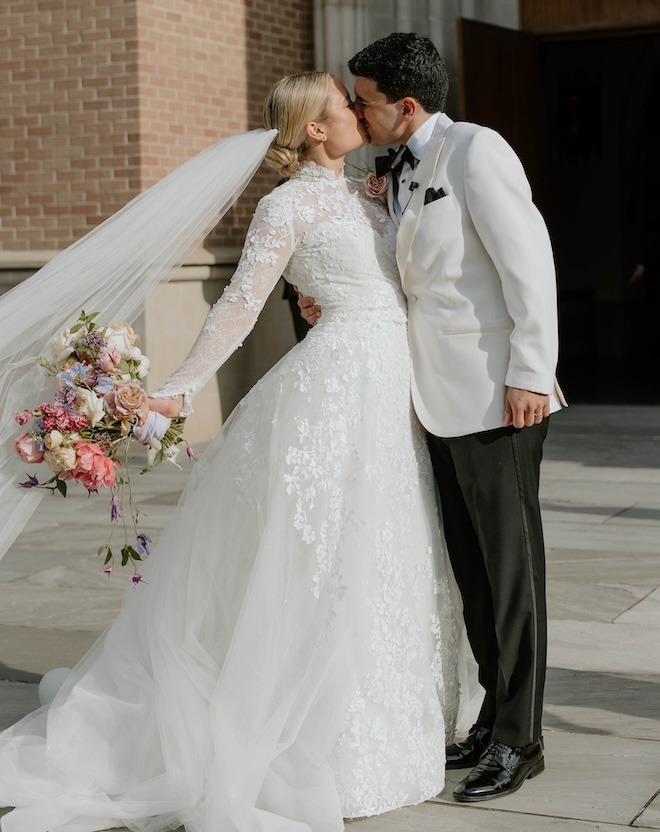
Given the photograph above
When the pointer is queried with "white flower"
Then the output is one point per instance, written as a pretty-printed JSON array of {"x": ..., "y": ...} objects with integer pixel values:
[
  {"x": 88, "y": 403},
  {"x": 170, "y": 454},
  {"x": 121, "y": 337},
  {"x": 61, "y": 459},
  {"x": 62, "y": 349},
  {"x": 143, "y": 367},
  {"x": 53, "y": 439}
]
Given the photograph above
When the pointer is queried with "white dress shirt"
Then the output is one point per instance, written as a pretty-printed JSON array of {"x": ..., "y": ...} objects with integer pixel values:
[{"x": 417, "y": 144}]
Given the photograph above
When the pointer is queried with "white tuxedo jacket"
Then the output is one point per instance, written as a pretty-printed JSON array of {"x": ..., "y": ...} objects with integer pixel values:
[{"x": 477, "y": 268}]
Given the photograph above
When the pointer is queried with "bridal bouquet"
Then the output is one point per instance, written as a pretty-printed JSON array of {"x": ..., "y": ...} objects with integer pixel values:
[{"x": 83, "y": 434}]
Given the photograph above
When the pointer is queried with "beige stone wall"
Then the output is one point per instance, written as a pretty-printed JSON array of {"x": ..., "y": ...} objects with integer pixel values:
[{"x": 100, "y": 99}]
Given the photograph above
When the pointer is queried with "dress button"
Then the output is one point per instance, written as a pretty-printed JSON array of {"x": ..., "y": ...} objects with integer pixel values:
[{"x": 412, "y": 298}]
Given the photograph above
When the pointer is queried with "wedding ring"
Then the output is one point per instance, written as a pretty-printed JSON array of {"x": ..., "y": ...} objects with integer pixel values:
[{"x": 538, "y": 414}]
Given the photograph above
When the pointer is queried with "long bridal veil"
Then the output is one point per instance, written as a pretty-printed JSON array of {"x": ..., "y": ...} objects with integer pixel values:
[{"x": 111, "y": 271}]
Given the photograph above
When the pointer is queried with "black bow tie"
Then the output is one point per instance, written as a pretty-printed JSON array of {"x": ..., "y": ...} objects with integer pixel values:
[{"x": 395, "y": 160}]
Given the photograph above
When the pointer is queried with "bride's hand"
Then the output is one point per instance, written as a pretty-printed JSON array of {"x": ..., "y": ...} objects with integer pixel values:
[{"x": 169, "y": 407}]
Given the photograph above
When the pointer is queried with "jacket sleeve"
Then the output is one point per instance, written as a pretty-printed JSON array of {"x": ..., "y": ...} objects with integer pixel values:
[
  {"x": 515, "y": 236},
  {"x": 269, "y": 244}
]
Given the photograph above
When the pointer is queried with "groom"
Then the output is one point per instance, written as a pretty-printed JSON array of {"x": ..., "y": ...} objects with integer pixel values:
[{"x": 477, "y": 268}]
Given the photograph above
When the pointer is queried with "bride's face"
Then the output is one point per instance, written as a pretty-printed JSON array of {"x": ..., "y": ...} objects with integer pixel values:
[{"x": 343, "y": 130}]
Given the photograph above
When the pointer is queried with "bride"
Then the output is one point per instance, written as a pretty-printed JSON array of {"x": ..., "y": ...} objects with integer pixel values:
[{"x": 291, "y": 657}]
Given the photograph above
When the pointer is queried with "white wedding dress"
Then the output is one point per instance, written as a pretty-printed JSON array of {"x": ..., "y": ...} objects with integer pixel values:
[{"x": 291, "y": 658}]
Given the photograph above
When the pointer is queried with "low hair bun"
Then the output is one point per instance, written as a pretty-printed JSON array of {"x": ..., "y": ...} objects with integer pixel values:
[{"x": 282, "y": 159}]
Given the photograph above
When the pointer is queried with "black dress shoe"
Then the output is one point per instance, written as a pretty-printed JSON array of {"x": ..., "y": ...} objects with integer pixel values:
[
  {"x": 466, "y": 754},
  {"x": 501, "y": 770}
]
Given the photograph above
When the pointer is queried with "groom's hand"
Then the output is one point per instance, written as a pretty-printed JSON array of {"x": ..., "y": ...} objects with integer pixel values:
[
  {"x": 309, "y": 309},
  {"x": 523, "y": 408}
]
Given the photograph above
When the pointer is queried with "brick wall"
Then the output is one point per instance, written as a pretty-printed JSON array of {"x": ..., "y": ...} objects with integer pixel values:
[
  {"x": 100, "y": 98},
  {"x": 68, "y": 118}
]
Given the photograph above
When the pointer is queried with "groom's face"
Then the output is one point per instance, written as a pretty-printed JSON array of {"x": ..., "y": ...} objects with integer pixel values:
[{"x": 382, "y": 119}]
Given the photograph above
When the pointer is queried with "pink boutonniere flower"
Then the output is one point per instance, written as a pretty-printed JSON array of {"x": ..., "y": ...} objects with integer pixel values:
[{"x": 376, "y": 186}]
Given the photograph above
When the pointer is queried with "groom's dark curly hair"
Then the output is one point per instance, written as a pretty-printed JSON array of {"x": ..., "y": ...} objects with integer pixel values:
[{"x": 405, "y": 64}]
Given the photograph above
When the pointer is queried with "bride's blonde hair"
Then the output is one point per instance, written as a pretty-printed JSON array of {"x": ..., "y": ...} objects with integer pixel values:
[{"x": 290, "y": 105}]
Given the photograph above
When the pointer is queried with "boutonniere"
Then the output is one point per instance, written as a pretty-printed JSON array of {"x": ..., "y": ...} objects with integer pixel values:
[{"x": 375, "y": 186}]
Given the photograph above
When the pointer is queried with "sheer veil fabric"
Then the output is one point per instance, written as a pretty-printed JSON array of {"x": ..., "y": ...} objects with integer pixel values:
[{"x": 111, "y": 271}]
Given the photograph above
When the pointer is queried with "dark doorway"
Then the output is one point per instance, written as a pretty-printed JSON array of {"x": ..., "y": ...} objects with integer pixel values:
[{"x": 595, "y": 170}]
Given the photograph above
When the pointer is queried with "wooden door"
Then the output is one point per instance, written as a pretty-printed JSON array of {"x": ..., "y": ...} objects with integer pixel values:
[{"x": 500, "y": 87}]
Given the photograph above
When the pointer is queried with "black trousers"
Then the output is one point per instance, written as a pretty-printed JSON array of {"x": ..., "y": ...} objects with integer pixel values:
[{"x": 489, "y": 484}]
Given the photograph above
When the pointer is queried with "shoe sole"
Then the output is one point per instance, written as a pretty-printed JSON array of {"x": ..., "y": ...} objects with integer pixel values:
[{"x": 535, "y": 770}]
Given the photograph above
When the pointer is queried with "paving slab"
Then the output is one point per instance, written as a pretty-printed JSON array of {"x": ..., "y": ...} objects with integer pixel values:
[
  {"x": 607, "y": 602},
  {"x": 650, "y": 817},
  {"x": 589, "y": 565},
  {"x": 605, "y": 648},
  {"x": 16, "y": 700},
  {"x": 26, "y": 653},
  {"x": 612, "y": 537},
  {"x": 645, "y": 612},
  {"x": 587, "y": 777},
  {"x": 436, "y": 817}
]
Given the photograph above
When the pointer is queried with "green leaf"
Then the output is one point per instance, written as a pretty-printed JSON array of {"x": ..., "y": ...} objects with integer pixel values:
[
  {"x": 61, "y": 487},
  {"x": 125, "y": 556},
  {"x": 101, "y": 550},
  {"x": 108, "y": 557},
  {"x": 76, "y": 328},
  {"x": 133, "y": 552}
]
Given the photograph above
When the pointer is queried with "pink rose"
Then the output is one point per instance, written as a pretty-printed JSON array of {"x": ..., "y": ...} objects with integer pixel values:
[
  {"x": 376, "y": 186},
  {"x": 25, "y": 446},
  {"x": 108, "y": 360},
  {"x": 94, "y": 469},
  {"x": 24, "y": 417}
]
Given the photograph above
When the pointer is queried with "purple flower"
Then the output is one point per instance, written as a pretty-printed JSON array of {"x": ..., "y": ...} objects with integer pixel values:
[
  {"x": 115, "y": 513},
  {"x": 93, "y": 376},
  {"x": 136, "y": 578},
  {"x": 31, "y": 482},
  {"x": 93, "y": 341},
  {"x": 143, "y": 541},
  {"x": 192, "y": 456},
  {"x": 67, "y": 398}
]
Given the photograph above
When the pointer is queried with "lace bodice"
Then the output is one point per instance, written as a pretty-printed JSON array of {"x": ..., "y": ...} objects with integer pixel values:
[{"x": 326, "y": 236}]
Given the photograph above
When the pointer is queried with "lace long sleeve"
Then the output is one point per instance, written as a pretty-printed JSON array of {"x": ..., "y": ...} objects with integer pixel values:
[{"x": 269, "y": 244}]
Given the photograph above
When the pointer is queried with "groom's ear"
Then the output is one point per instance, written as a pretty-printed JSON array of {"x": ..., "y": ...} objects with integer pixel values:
[{"x": 409, "y": 106}]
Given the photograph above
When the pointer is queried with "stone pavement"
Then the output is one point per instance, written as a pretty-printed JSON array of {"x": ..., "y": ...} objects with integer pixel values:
[{"x": 601, "y": 501}]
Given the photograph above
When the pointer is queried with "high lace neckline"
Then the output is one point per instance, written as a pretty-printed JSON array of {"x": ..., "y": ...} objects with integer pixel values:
[{"x": 312, "y": 170}]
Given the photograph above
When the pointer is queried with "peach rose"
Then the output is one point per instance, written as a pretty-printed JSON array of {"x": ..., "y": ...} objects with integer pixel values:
[
  {"x": 94, "y": 469},
  {"x": 125, "y": 400},
  {"x": 25, "y": 446}
]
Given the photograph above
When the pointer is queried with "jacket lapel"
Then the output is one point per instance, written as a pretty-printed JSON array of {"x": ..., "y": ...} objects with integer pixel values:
[
  {"x": 390, "y": 202},
  {"x": 423, "y": 177}
]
